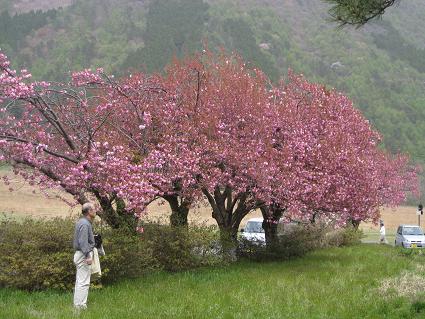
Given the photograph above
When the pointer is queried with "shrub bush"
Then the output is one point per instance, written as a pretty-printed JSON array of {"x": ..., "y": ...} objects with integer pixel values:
[
  {"x": 127, "y": 256},
  {"x": 299, "y": 241},
  {"x": 160, "y": 247},
  {"x": 37, "y": 254},
  {"x": 181, "y": 248},
  {"x": 296, "y": 243},
  {"x": 344, "y": 237}
]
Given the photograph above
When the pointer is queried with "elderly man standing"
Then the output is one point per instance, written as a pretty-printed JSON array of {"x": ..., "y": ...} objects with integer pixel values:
[{"x": 83, "y": 245}]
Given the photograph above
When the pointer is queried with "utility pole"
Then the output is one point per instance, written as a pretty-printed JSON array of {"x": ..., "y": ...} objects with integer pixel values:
[{"x": 419, "y": 213}]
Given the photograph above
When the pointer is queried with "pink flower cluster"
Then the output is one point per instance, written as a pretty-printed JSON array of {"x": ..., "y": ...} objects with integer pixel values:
[
  {"x": 12, "y": 85},
  {"x": 87, "y": 77}
]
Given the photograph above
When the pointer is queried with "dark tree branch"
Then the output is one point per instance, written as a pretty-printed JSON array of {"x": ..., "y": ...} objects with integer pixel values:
[
  {"x": 81, "y": 198},
  {"x": 357, "y": 12},
  {"x": 12, "y": 138}
]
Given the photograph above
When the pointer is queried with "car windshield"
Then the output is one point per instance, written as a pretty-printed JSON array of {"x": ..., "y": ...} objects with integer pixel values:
[
  {"x": 254, "y": 227},
  {"x": 412, "y": 231}
]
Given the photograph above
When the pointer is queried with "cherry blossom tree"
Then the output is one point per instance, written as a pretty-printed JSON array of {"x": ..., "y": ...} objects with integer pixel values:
[
  {"x": 337, "y": 172},
  {"x": 156, "y": 130},
  {"x": 64, "y": 137},
  {"x": 206, "y": 146},
  {"x": 227, "y": 110}
]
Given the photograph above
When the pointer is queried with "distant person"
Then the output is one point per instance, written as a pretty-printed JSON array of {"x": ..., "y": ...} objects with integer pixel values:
[
  {"x": 83, "y": 258},
  {"x": 382, "y": 240}
]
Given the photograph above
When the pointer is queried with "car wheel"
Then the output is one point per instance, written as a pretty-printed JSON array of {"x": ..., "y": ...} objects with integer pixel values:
[{"x": 402, "y": 245}]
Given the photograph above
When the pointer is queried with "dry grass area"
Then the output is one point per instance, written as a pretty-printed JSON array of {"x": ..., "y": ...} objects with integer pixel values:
[
  {"x": 27, "y": 200},
  {"x": 408, "y": 284}
]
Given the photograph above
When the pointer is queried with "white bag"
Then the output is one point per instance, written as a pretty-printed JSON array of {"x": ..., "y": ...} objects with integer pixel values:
[{"x": 95, "y": 266}]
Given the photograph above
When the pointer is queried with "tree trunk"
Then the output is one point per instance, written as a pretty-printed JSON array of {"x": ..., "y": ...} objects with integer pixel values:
[
  {"x": 228, "y": 213},
  {"x": 127, "y": 218},
  {"x": 355, "y": 223},
  {"x": 271, "y": 216},
  {"x": 313, "y": 218},
  {"x": 179, "y": 211},
  {"x": 119, "y": 217}
]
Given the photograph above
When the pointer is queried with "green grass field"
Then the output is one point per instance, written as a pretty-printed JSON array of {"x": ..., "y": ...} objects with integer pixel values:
[{"x": 330, "y": 283}]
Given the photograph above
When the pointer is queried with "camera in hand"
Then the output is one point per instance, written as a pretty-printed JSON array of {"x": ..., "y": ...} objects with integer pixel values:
[{"x": 98, "y": 241}]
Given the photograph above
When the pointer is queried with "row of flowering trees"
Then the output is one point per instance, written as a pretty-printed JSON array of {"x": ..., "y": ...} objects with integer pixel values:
[{"x": 209, "y": 129}]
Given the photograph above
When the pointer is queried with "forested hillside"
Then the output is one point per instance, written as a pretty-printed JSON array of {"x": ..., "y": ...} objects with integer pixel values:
[{"x": 381, "y": 66}]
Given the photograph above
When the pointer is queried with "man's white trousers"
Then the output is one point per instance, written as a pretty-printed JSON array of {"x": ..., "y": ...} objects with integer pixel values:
[{"x": 82, "y": 280}]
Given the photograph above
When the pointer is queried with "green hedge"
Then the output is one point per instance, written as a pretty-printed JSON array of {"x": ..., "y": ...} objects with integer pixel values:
[
  {"x": 37, "y": 254},
  {"x": 298, "y": 242}
]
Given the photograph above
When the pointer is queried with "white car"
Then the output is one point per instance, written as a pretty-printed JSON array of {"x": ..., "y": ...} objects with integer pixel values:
[
  {"x": 410, "y": 236},
  {"x": 254, "y": 231}
]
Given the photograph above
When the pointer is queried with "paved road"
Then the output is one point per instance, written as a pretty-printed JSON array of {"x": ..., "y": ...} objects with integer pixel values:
[{"x": 376, "y": 242}]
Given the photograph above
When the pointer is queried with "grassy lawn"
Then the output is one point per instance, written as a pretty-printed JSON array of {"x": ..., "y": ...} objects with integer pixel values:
[{"x": 331, "y": 283}]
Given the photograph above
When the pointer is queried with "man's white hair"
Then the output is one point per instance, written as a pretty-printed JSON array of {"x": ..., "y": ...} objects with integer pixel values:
[{"x": 87, "y": 207}]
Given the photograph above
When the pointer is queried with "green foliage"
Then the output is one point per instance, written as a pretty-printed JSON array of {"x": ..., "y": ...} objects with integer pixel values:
[
  {"x": 233, "y": 29},
  {"x": 357, "y": 12},
  {"x": 173, "y": 28},
  {"x": 181, "y": 248},
  {"x": 299, "y": 241},
  {"x": 398, "y": 48},
  {"x": 127, "y": 256},
  {"x": 160, "y": 247},
  {"x": 240, "y": 37},
  {"x": 14, "y": 29},
  {"x": 37, "y": 254},
  {"x": 86, "y": 34}
]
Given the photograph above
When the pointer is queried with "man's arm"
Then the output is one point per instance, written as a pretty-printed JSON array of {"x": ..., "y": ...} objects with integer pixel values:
[{"x": 83, "y": 242}]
